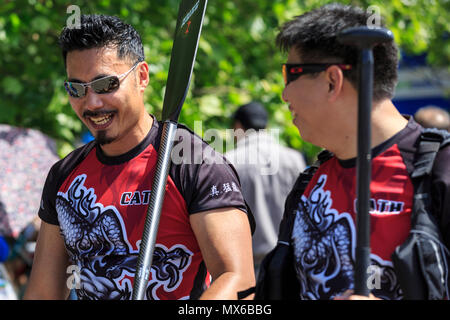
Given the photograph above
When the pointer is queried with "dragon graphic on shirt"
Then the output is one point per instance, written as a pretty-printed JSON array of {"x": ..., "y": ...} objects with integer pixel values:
[
  {"x": 323, "y": 241},
  {"x": 96, "y": 240}
]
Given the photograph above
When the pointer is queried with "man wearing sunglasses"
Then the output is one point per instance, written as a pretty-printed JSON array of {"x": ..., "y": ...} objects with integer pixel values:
[
  {"x": 95, "y": 200},
  {"x": 321, "y": 91}
]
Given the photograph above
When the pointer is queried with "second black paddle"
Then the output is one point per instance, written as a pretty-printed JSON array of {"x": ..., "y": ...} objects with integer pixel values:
[{"x": 364, "y": 39}]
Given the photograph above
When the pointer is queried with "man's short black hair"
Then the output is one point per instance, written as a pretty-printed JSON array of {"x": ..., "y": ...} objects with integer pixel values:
[
  {"x": 100, "y": 31},
  {"x": 252, "y": 116},
  {"x": 313, "y": 35}
]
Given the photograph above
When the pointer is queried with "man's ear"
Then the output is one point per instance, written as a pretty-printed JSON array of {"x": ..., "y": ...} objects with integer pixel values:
[
  {"x": 142, "y": 75},
  {"x": 335, "y": 79}
]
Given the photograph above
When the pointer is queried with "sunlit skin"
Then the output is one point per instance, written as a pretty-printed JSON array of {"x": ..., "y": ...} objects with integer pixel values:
[
  {"x": 314, "y": 101},
  {"x": 128, "y": 121}
]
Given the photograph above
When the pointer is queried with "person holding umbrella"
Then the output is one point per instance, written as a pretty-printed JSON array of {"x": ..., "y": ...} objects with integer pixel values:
[
  {"x": 26, "y": 156},
  {"x": 94, "y": 200},
  {"x": 321, "y": 89}
]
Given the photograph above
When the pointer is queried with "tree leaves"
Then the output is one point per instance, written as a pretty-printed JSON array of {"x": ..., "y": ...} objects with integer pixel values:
[{"x": 237, "y": 60}]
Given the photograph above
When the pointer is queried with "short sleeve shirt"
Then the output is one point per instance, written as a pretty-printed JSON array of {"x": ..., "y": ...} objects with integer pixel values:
[
  {"x": 324, "y": 234},
  {"x": 100, "y": 204}
]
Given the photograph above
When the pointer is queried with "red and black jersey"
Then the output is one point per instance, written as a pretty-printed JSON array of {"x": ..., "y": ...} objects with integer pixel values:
[
  {"x": 324, "y": 233},
  {"x": 100, "y": 204}
]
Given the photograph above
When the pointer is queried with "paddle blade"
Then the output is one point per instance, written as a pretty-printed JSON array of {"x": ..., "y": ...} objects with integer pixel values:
[{"x": 184, "y": 50}]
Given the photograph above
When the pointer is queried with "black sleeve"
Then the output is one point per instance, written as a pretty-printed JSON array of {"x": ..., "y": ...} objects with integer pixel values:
[
  {"x": 215, "y": 186},
  {"x": 440, "y": 191},
  {"x": 56, "y": 176},
  {"x": 204, "y": 177},
  {"x": 47, "y": 210}
]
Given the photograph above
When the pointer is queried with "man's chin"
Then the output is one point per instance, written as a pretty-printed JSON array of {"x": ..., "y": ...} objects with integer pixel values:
[{"x": 103, "y": 139}]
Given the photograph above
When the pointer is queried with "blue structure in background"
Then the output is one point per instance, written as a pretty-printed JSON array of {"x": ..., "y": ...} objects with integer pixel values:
[
  {"x": 4, "y": 249},
  {"x": 86, "y": 137},
  {"x": 420, "y": 85}
]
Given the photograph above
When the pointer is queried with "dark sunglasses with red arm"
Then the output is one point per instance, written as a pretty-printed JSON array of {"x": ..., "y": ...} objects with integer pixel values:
[{"x": 291, "y": 71}]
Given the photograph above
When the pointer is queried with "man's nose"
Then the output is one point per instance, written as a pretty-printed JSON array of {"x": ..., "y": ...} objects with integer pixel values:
[
  {"x": 93, "y": 100},
  {"x": 284, "y": 95}
]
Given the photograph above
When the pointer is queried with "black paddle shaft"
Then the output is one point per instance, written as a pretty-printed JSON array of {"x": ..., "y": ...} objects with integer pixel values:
[
  {"x": 364, "y": 39},
  {"x": 184, "y": 50}
]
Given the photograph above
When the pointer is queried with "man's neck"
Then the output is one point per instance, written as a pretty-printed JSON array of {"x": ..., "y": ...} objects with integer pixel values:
[
  {"x": 386, "y": 122},
  {"x": 131, "y": 139}
]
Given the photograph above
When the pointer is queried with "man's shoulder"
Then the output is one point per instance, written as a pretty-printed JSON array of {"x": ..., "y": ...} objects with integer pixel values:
[
  {"x": 81, "y": 151},
  {"x": 189, "y": 148},
  {"x": 61, "y": 170},
  {"x": 413, "y": 155},
  {"x": 186, "y": 134},
  {"x": 441, "y": 167},
  {"x": 73, "y": 158}
]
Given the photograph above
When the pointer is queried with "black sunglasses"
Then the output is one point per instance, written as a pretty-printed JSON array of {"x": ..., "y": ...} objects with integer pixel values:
[
  {"x": 292, "y": 71},
  {"x": 103, "y": 85}
]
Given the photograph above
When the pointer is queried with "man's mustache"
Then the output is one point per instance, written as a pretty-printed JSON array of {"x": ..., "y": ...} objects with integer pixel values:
[{"x": 89, "y": 113}]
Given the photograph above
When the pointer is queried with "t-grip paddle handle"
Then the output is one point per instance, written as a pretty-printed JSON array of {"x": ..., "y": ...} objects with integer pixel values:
[{"x": 364, "y": 39}]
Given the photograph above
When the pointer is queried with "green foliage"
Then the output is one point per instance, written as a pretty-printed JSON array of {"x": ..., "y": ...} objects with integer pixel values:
[{"x": 237, "y": 59}]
